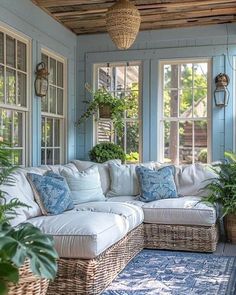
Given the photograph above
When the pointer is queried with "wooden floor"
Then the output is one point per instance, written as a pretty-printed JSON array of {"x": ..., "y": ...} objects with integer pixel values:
[{"x": 225, "y": 249}]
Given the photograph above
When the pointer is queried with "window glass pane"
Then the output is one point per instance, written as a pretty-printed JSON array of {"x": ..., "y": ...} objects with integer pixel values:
[
  {"x": 11, "y": 86},
  {"x": 134, "y": 111},
  {"x": 200, "y": 75},
  {"x": 171, "y": 76},
  {"x": 173, "y": 103},
  {"x": 60, "y": 93},
  {"x": 11, "y": 51},
  {"x": 200, "y": 138},
  {"x": 43, "y": 157},
  {"x": 6, "y": 125},
  {"x": 43, "y": 134},
  {"x": 1, "y": 47},
  {"x": 22, "y": 91},
  {"x": 56, "y": 132},
  {"x": 52, "y": 71},
  {"x": 132, "y": 78},
  {"x": 185, "y": 142},
  {"x": 200, "y": 102},
  {"x": 49, "y": 132},
  {"x": 17, "y": 157},
  {"x": 2, "y": 94},
  {"x": 132, "y": 139},
  {"x": 18, "y": 130},
  {"x": 186, "y": 76},
  {"x": 171, "y": 142},
  {"x": 21, "y": 56},
  {"x": 44, "y": 103},
  {"x": 59, "y": 74},
  {"x": 104, "y": 77},
  {"x": 49, "y": 156},
  {"x": 52, "y": 99},
  {"x": 185, "y": 103},
  {"x": 119, "y": 78},
  {"x": 56, "y": 156}
]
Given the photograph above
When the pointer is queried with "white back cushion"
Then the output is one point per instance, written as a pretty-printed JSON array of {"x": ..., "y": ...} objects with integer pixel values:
[
  {"x": 102, "y": 168},
  {"x": 124, "y": 181},
  {"x": 85, "y": 186}
]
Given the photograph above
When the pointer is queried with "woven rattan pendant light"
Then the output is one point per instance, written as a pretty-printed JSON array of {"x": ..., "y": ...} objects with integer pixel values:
[{"x": 123, "y": 22}]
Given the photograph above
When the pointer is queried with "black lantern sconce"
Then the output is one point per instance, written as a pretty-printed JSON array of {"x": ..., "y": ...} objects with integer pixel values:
[
  {"x": 41, "y": 80},
  {"x": 221, "y": 93}
]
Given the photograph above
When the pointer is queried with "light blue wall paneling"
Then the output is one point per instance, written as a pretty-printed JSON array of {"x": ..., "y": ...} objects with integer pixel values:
[
  {"x": 25, "y": 17},
  {"x": 150, "y": 48}
]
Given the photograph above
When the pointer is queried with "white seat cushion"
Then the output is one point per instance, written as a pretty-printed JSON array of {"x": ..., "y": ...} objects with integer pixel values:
[
  {"x": 132, "y": 214},
  {"x": 182, "y": 211},
  {"x": 87, "y": 231}
]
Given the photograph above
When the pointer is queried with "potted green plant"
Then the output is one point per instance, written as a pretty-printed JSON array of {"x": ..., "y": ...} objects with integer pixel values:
[
  {"x": 105, "y": 151},
  {"x": 27, "y": 256},
  {"x": 108, "y": 106},
  {"x": 222, "y": 191}
]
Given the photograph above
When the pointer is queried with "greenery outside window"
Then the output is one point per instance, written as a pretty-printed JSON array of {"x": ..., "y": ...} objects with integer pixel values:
[
  {"x": 121, "y": 80},
  {"x": 53, "y": 111},
  {"x": 185, "y": 112},
  {"x": 14, "y": 81}
]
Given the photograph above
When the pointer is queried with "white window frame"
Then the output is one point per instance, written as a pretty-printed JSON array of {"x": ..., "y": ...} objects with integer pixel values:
[
  {"x": 62, "y": 118},
  {"x": 26, "y": 136},
  {"x": 126, "y": 120},
  {"x": 178, "y": 119}
]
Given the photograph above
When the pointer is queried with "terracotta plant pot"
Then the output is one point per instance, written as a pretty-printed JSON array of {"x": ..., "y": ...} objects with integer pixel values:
[
  {"x": 230, "y": 226},
  {"x": 105, "y": 111}
]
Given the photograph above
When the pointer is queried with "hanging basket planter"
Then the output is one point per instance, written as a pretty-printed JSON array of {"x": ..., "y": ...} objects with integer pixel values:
[
  {"x": 123, "y": 23},
  {"x": 105, "y": 111}
]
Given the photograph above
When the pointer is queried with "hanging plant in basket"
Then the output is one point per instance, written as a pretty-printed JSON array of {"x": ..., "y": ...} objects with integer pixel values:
[
  {"x": 27, "y": 256},
  {"x": 222, "y": 191},
  {"x": 108, "y": 107}
]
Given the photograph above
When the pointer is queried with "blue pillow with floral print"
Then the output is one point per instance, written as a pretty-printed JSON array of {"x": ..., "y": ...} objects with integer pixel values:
[
  {"x": 156, "y": 184},
  {"x": 51, "y": 192}
]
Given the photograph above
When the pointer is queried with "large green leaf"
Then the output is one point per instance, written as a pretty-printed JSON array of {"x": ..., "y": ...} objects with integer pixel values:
[
  {"x": 9, "y": 272},
  {"x": 3, "y": 287},
  {"x": 29, "y": 242}
]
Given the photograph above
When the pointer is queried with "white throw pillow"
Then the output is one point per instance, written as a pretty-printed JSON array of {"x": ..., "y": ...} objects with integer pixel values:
[
  {"x": 102, "y": 168},
  {"x": 191, "y": 179},
  {"x": 124, "y": 181},
  {"x": 85, "y": 186}
]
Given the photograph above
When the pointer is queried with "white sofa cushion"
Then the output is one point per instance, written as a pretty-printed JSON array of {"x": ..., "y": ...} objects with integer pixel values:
[
  {"x": 87, "y": 231},
  {"x": 102, "y": 168},
  {"x": 22, "y": 191},
  {"x": 182, "y": 211},
  {"x": 85, "y": 186},
  {"x": 133, "y": 214},
  {"x": 124, "y": 180}
]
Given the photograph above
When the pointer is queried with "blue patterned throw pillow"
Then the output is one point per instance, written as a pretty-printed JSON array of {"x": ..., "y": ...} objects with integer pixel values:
[
  {"x": 51, "y": 193},
  {"x": 156, "y": 184}
]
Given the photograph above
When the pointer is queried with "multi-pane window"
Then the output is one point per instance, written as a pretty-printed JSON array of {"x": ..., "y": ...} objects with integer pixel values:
[
  {"x": 185, "y": 116},
  {"x": 53, "y": 112},
  {"x": 14, "y": 107},
  {"x": 121, "y": 80}
]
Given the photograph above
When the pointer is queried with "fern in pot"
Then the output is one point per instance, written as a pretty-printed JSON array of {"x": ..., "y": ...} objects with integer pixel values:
[
  {"x": 222, "y": 191},
  {"x": 27, "y": 256}
]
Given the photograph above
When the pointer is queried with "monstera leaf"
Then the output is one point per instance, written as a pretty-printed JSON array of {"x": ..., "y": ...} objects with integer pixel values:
[{"x": 21, "y": 243}]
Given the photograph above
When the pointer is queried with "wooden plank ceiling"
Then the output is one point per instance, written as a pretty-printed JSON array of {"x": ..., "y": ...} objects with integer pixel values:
[{"x": 88, "y": 16}]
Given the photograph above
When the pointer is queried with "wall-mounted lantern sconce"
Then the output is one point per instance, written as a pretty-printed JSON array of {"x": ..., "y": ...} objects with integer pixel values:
[
  {"x": 221, "y": 93},
  {"x": 41, "y": 80}
]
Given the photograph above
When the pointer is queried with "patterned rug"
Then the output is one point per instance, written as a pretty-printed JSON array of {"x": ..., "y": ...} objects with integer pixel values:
[{"x": 154, "y": 272}]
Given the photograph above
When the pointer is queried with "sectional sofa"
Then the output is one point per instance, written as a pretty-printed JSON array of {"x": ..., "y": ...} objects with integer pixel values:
[{"x": 97, "y": 239}]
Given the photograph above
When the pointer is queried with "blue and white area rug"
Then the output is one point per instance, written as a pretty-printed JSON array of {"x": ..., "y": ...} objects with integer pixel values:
[{"x": 154, "y": 272}]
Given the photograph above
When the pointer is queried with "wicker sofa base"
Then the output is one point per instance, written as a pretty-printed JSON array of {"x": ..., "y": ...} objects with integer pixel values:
[
  {"x": 91, "y": 277},
  {"x": 181, "y": 237}
]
